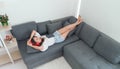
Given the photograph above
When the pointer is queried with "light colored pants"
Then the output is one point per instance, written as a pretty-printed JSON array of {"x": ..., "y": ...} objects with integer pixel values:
[{"x": 58, "y": 37}]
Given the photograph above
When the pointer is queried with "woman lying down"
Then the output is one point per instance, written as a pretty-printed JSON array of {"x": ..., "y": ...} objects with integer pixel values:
[{"x": 42, "y": 42}]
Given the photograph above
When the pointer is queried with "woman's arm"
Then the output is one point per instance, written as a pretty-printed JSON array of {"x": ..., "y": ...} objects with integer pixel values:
[
  {"x": 38, "y": 48},
  {"x": 32, "y": 34},
  {"x": 29, "y": 40}
]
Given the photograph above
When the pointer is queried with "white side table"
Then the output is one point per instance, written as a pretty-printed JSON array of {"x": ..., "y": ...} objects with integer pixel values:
[
  {"x": 8, "y": 28},
  {"x": 11, "y": 59}
]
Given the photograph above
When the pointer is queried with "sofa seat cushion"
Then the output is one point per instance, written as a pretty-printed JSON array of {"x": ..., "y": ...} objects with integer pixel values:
[
  {"x": 80, "y": 56},
  {"x": 32, "y": 50},
  {"x": 89, "y": 34},
  {"x": 108, "y": 48},
  {"x": 41, "y": 57},
  {"x": 35, "y": 59}
]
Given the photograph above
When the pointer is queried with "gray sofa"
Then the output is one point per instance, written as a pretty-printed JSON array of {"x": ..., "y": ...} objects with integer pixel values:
[{"x": 84, "y": 48}]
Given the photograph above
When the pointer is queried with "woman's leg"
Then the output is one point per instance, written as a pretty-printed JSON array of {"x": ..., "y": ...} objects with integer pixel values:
[
  {"x": 64, "y": 35},
  {"x": 66, "y": 28},
  {"x": 70, "y": 27}
]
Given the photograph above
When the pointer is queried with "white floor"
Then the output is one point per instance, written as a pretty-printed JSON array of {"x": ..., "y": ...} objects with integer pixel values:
[{"x": 59, "y": 63}]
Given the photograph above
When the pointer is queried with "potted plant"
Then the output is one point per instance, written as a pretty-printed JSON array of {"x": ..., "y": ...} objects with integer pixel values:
[{"x": 4, "y": 20}]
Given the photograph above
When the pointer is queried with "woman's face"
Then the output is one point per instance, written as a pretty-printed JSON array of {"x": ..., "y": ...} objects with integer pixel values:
[{"x": 37, "y": 39}]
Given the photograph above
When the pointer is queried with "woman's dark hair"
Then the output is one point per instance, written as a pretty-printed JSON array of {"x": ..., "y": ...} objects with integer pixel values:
[{"x": 34, "y": 43}]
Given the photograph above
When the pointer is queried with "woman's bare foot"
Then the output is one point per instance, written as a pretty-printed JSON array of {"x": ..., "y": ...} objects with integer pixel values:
[{"x": 79, "y": 20}]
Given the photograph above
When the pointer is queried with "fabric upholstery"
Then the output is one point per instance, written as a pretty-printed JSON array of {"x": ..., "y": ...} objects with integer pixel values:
[
  {"x": 78, "y": 29},
  {"x": 38, "y": 58},
  {"x": 42, "y": 28},
  {"x": 31, "y": 50},
  {"x": 63, "y": 20},
  {"x": 82, "y": 50},
  {"x": 23, "y": 31},
  {"x": 108, "y": 48},
  {"x": 35, "y": 59},
  {"x": 53, "y": 27},
  {"x": 80, "y": 56},
  {"x": 66, "y": 23},
  {"x": 72, "y": 20},
  {"x": 89, "y": 34},
  {"x": 71, "y": 32}
]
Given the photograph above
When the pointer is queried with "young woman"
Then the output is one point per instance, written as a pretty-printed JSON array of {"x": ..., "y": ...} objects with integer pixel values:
[{"x": 42, "y": 42}]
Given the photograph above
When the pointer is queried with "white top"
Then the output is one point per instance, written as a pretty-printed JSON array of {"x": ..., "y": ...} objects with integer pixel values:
[{"x": 47, "y": 41}]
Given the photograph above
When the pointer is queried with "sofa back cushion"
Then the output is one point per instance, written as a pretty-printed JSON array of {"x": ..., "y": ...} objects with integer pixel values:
[
  {"x": 89, "y": 34},
  {"x": 54, "y": 26},
  {"x": 23, "y": 31},
  {"x": 79, "y": 28},
  {"x": 108, "y": 48},
  {"x": 42, "y": 28},
  {"x": 72, "y": 19}
]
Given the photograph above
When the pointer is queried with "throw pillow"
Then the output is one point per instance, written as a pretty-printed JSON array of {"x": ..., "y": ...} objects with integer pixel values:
[
  {"x": 72, "y": 19},
  {"x": 53, "y": 27},
  {"x": 41, "y": 27}
]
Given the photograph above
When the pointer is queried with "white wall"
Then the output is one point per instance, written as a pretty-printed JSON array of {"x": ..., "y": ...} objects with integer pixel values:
[
  {"x": 103, "y": 15},
  {"x": 20, "y": 11}
]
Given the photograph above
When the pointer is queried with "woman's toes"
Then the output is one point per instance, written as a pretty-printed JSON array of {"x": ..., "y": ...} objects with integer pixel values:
[{"x": 81, "y": 20}]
